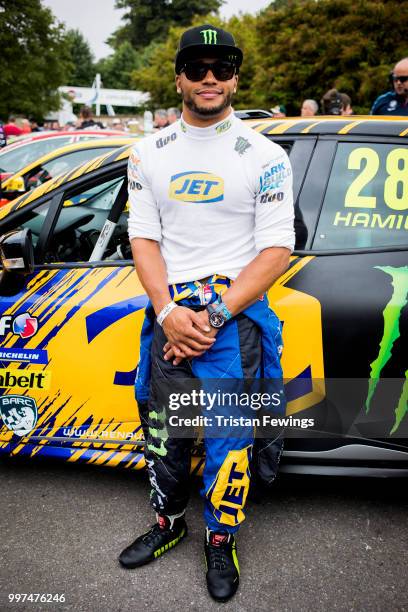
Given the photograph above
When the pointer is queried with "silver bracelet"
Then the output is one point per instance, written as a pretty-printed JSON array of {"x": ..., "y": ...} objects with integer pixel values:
[{"x": 165, "y": 311}]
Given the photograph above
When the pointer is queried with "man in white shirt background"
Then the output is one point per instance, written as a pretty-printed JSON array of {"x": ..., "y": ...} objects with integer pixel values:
[{"x": 211, "y": 229}]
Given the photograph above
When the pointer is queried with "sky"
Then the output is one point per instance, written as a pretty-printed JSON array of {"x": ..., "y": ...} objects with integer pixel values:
[{"x": 97, "y": 19}]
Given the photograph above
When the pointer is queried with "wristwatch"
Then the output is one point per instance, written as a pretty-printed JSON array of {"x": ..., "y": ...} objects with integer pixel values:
[{"x": 218, "y": 313}]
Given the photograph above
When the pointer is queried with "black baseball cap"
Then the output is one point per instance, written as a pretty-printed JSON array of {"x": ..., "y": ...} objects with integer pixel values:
[{"x": 210, "y": 40}]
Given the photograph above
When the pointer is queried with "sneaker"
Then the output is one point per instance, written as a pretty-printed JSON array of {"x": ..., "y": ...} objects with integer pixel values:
[
  {"x": 159, "y": 539},
  {"x": 222, "y": 565}
]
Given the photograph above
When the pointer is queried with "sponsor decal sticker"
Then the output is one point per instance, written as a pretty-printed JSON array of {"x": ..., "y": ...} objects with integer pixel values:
[
  {"x": 223, "y": 127},
  {"x": 19, "y": 413},
  {"x": 134, "y": 159},
  {"x": 162, "y": 142},
  {"x": 196, "y": 187},
  {"x": 274, "y": 176},
  {"x": 210, "y": 36},
  {"x": 391, "y": 333},
  {"x": 135, "y": 185},
  {"x": 29, "y": 355},
  {"x": 133, "y": 163},
  {"x": 229, "y": 490},
  {"x": 241, "y": 145},
  {"x": 272, "y": 196},
  {"x": 23, "y": 325},
  {"x": 24, "y": 379}
]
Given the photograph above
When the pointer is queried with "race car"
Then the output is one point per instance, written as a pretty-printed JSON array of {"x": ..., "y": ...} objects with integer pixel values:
[
  {"x": 71, "y": 307},
  {"x": 58, "y": 161},
  {"x": 26, "y": 149}
]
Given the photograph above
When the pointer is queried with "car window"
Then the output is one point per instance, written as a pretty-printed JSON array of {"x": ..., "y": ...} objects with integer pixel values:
[
  {"x": 66, "y": 162},
  {"x": 366, "y": 200},
  {"x": 35, "y": 220},
  {"x": 16, "y": 159},
  {"x": 286, "y": 145},
  {"x": 80, "y": 221}
]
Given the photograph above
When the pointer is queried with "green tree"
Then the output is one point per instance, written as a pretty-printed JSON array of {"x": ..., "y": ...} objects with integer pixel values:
[
  {"x": 150, "y": 20},
  {"x": 82, "y": 59},
  {"x": 34, "y": 58},
  {"x": 116, "y": 69},
  {"x": 308, "y": 47}
]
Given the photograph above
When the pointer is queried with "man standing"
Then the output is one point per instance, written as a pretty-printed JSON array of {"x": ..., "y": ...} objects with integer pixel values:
[
  {"x": 211, "y": 229},
  {"x": 394, "y": 102}
]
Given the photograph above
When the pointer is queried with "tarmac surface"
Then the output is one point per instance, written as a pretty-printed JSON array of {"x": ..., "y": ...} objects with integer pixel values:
[{"x": 315, "y": 544}]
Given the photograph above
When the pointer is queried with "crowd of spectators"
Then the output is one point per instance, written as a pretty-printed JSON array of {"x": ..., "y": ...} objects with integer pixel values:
[{"x": 334, "y": 102}]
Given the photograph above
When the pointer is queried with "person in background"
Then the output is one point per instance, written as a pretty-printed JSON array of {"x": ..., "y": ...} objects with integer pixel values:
[
  {"x": 278, "y": 111},
  {"x": 173, "y": 114},
  {"x": 11, "y": 129},
  {"x": 394, "y": 102},
  {"x": 34, "y": 125},
  {"x": 346, "y": 108},
  {"x": 332, "y": 103},
  {"x": 118, "y": 125},
  {"x": 160, "y": 119},
  {"x": 25, "y": 126},
  {"x": 309, "y": 108},
  {"x": 87, "y": 121}
]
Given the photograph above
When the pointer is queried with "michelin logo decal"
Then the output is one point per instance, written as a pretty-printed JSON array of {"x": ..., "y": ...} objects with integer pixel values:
[
  {"x": 28, "y": 355},
  {"x": 19, "y": 413}
]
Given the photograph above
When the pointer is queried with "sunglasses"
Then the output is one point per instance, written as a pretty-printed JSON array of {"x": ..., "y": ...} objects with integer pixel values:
[
  {"x": 401, "y": 79},
  {"x": 222, "y": 70}
]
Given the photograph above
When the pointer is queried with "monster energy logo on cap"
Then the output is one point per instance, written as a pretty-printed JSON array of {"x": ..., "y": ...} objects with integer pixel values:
[
  {"x": 210, "y": 37},
  {"x": 193, "y": 43}
]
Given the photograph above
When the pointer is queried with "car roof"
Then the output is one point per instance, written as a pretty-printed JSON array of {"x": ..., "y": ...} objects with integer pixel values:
[
  {"x": 70, "y": 148},
  {"x": 34, "y": 136},
  {"x": 361, "y": 125},
  {"x": 358, "y": 125}
]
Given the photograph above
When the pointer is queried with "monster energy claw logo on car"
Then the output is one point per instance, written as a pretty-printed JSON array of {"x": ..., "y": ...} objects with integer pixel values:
[
  {"x": 392, "y": 315},
  {"x": 19, "y": 413},
  {"x": 210, "y": 37}
]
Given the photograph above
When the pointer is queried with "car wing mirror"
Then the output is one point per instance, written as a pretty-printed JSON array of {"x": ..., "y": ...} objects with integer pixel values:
[{"x": 17, "y": 252}]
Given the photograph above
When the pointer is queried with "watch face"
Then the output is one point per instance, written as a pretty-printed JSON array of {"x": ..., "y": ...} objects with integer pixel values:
[{"x": 216, "y": 319}]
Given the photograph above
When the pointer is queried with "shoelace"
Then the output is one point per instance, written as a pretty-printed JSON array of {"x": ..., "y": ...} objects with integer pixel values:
[
  {"x": 152, "y": 535},
  {"x": 218, "y": 558}
]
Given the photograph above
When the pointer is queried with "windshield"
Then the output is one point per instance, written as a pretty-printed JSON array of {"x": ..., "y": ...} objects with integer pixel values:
[{"x": 19, "y": 157}]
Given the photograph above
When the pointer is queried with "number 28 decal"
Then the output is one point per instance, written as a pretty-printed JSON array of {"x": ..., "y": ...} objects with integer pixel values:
[{"x": 395, "y": 185}]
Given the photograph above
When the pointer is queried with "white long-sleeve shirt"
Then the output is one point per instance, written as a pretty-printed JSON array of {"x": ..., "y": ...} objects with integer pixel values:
[{"x": 212, "y": 197}]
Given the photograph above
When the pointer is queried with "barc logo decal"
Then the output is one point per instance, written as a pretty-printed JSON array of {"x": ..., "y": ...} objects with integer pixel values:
[
  {"x": 196, "y": 187},
  {"x": 19, "y": 413},
  {"x": 23, "y": 325}
]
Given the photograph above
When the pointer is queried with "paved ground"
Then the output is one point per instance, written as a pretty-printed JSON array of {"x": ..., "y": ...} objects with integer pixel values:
[{"x": 316, "y": 545}]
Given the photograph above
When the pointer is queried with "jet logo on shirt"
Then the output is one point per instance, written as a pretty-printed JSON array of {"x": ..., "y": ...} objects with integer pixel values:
[{"x": 196, "y": 187}]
